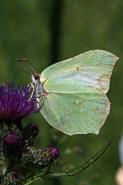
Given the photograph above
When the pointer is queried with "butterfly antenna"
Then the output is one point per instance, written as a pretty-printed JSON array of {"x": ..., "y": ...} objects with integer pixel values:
[
  {"x": 27, "y": 62},
  {"x": 16, "y": 73}
]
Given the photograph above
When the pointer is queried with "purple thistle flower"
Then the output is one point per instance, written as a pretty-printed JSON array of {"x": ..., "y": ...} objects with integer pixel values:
[{"x": 15, "y": 103}]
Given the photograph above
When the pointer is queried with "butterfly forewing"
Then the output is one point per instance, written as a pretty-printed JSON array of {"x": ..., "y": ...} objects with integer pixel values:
[{"x": 93, "y": 68}]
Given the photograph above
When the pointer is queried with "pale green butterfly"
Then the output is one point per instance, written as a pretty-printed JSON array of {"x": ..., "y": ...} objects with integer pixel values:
[{"x": 73, "y": 92}]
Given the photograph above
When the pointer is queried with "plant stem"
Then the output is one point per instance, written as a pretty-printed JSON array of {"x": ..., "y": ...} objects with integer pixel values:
[{"x": 55, "y": 26}]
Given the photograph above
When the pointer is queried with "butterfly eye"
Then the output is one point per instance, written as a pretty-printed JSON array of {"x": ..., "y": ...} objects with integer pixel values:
[{"x": 37, "y": 77}]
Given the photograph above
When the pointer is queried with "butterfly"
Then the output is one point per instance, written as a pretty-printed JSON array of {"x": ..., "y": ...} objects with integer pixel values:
[{"x": 72, "y": 92}]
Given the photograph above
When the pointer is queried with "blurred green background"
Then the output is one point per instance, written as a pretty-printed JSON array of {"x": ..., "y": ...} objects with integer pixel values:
[{"x": 49, "y": 31}]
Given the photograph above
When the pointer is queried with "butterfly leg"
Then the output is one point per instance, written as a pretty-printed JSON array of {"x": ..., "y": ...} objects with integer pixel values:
[
  {"x": 31, "y": 88},
  {"x": 40, "y": 101}
]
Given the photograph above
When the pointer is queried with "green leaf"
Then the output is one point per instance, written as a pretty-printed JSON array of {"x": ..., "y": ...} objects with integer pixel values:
[{"x": 3, "y": 164}]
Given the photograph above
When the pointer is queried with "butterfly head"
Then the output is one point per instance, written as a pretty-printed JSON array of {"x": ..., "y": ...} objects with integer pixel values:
[{"x": 35, "y": 77}]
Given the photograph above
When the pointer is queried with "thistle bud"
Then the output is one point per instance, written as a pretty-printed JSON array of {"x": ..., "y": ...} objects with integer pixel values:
[
  {"x": 12, "y": 143},
  {"x": 12, "y": 178},
  {"x": 39, "y": 158},
  {"x": 11, "y": 140},
  {"x": 30, "y": 131}
]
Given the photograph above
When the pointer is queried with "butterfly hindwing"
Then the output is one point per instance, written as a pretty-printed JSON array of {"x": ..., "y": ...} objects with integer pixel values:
[{"x": 79, "y": 113}]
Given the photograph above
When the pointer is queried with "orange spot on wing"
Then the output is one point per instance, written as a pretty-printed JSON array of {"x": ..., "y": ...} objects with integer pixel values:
[
  {"x": 76, "y": 103},
  {"x": 112, "y": 65},
  {"x": 77, "y": 68},
  {"x": 80, "y": 102}
]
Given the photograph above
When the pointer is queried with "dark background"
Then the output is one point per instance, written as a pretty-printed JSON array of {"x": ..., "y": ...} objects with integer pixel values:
[{"x": 52, "y": 30}]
